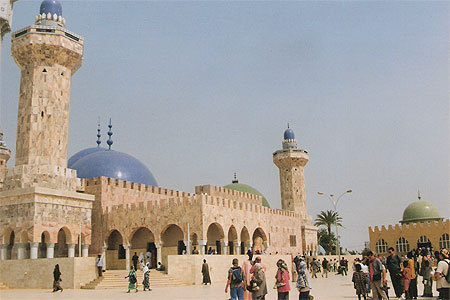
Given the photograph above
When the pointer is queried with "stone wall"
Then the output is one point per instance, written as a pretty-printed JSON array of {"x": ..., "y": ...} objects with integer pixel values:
[
  {"x": 38, "y": 273},
  {"x": 188, "y": 267}
]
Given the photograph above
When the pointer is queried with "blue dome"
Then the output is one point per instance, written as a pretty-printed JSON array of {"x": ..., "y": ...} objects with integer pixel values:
[
  {"x": 114, "y": 164},
  {"x": 289, "y": 134},
  {"x": 52, "y": 7},
  {"x": 80, "y": 154}
]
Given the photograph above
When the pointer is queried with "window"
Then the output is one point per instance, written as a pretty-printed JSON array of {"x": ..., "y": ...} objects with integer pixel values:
[
  {"x": 423, "y": 239},
  {"x": 293, "y": 240},
  {"x": 402, "y": 245},
  {"x": 444, "y": 241},
  {"x": 381, "y": 246}
]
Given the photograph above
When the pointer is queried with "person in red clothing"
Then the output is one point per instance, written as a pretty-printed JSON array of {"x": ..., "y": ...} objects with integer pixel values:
[
  {"x": 282, "y": 280},
  {"x": 406, "y": 278}
]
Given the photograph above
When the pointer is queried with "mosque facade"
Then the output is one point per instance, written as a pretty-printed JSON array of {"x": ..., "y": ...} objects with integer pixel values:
[
  {"x": 105, "y": 201},
  {"x": 421, "y": 226}
]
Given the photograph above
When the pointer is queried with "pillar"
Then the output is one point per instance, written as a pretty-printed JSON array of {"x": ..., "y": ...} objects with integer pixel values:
[
  {"x": 34, "y": 250},
  {"x": 188, "y": 246},
  {"x": 202, "y": 245},
  {"x": 267, "y": 246},
  {"x": 104, "y": 256},
  {"x": 3, "y": 251},
  {"x": 21, "y": 251},
  {"x": 237, "y": 246},
  {"x": 159, "y": 253},
  {"x": 127, "y": 256},
  {"x": 224, "y": 247},
  {"x": 85, "y": 250},
  {"x": 70, "y": 250},
  {"x": 50, "y": 250}
]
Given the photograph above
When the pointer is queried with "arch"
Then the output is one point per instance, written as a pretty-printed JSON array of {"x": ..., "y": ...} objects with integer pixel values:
[
  {"x": 214, "y": 236},
  {"x": 172, "y": 241},
  {"x": 10, "y": 242},
  {"x": 61, "y": 249},
  {"x": 42, "y": 249},
  {"x": 115, "y": 250},
  {"x": 113, "y": 240},
  {"x": 444, "y": 241},
  {"x": 68, "y": 234},
  {"x": 24, "y": 237},
  {"x": 7, "y": 235},
  {"x": 141, "y": 237},
  {"x": 259, "y": 238},
  {"x": 402, "y": 245},
  {"x": 381, "y": 246},
  {"x": 232, "y": 238},
  {"x": 423, "y": 239},
  {"x": 245, "y": 239}
]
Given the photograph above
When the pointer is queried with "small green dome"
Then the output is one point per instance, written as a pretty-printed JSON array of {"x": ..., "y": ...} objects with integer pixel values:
[
  {"x": 247, "y": 189},
  {"x": 420, "y": 211}
]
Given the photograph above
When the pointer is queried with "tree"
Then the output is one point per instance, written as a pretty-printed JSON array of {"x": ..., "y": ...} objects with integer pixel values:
[
  {"x": 323, "y": 239},
  {"x": 328, "y": 218}
]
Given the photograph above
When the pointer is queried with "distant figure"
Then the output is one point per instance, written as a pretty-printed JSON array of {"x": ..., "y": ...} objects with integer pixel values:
[
  {"x": 249, "y": 251},
  {"x": 57, "y": 279},
  {"x": 160, "y": 267},
  {"x": 325, "y": 267},
  {"x": 205, "y": 273},
  {"x": 195, "y": 250},
  {"x": 359, "y": 282},
  {"x": 282, "y": 280},
  {"x": 412, "y": 261},
  {"x": 427, "y": 280},
  {"x": 235, "y": 281},
  {"x": 135, "y": 260},
  {"x": 210, "y": 251},
  {"x": 99, "y": 264},
  {"x": 246, "y": 267},
  {"x": 132, "y": 280},
  {"x": 377, "y": 277},
  {"x": 314, "y": 268},
  {"x": 141, "y": 261},
  {"x": 148, "y": 258},
  {"x": 343, "y": 266},
  {"x": 146, "y": 277},
  {"x": 303, "y": 282}
]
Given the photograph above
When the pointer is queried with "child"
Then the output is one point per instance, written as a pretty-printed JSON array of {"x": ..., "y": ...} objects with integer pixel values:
[
  {"x": 359, "y": 282},
  {"x": 406, "y": 278}
]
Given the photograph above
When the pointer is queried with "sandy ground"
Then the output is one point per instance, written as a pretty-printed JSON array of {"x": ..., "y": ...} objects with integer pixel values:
[{"x": 332, "y": 288}]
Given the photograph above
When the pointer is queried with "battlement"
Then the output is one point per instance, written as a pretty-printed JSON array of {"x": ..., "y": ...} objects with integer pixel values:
[
  {"x": 398, "y": 228},
  {"x": 218, "y": 191}
]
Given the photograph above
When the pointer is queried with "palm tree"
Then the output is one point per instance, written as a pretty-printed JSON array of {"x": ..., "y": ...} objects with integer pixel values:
[{"x": 328, "y": 218}]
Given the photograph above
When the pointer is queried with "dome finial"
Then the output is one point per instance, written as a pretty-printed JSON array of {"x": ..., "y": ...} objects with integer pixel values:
[
  {"x": 110, "y": 133},
  {"x": 235, "y": 180},
  {"x": 418, "y": 194},
  {"x": 288, "y": 124},
  {"x": 98, "y": 133}
]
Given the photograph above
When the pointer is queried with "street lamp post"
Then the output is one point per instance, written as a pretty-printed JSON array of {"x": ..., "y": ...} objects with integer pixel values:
[{"x": 335, "y": 203}]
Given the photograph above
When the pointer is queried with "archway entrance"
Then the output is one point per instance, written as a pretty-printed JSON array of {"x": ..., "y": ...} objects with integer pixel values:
[
  {"x": 115, "y": 252},
  {"x": 245, "y": 240},
  {"x": 143, "y": 242},
  {"x": 259, "y": 239},
  {"x": 215, "y": 236},
  {"x": 232, "y": 239},
  {"x": 61, "y": 248},
  {"x": 172, "y": 242},
  {"x": 42, "y": 250},
  {"x": 9, "y": 249}
]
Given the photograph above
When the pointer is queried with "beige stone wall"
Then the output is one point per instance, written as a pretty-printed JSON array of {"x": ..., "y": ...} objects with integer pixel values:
[
  {"x": 218, "y": 191},
  {"x": 411, "y": 232},
  {"x": 38, "y": 273},
  {"x": 188, "y": 267}
]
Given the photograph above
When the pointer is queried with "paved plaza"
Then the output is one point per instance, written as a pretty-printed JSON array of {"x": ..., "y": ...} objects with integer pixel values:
[{"x": 331, "y": 288}]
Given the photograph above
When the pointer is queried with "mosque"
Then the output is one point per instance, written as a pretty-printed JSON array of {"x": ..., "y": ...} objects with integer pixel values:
[
  {"x": 421, "y": 226},
  {"x": 104, "y": 201}
]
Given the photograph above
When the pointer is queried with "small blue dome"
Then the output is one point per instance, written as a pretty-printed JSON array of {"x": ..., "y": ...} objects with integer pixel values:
[
  {"x": 52, "y": 7},
  {"x": 114, "y": 164},
  {"x": 289, "y": 134},
  {"x": 81, "y": 154}
]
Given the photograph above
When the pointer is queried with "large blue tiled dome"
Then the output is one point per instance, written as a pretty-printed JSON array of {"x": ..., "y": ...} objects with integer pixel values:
[
  {"x": 289, "y": 134},
  {"x": 81, "y": 154},
  {"x": 113, "y": 164},
  {"x": 51, "y": 6}
]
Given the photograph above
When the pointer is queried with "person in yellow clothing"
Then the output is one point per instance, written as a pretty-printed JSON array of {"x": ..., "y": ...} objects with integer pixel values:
[{"x": 413, "y": 283}]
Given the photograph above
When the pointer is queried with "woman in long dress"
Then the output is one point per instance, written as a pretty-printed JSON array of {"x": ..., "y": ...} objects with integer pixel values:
[
  {"x": 132, "y": 280},
  {"x": 146, "y": 277},
  {"x": 246, "y": 267},
  {"x": 303, "y": 281},
  {"x": 57, "y": 279},
  {"x": 205, "y": 273}
]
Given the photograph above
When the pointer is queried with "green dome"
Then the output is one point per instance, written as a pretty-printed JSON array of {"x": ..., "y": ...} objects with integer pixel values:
[
  {"x": 247, "y": 189},
  {"x": 420, "y": 211}
]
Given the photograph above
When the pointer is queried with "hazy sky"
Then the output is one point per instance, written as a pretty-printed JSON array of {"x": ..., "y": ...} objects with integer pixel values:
[{"x": 199, "y": 90}]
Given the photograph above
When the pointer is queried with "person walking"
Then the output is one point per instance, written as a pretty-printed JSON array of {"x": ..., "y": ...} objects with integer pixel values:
[
  {"x": 246, "y": 267},
  {"x": 235, "y": 281},
  {"x": 132, "y": 280},
  {"x": 260, "y": 279},
  {"x": 342, "y": 267},
  {"x": 146, "y": 277},
  {"x": 314, "y": 268},
  {"x": 393, "y": 262},
  {"x": 325, "y": 267},
  {"x": 99, "y": 264},
  {"x": 205, "y": 273},
  {"x": 441, "y": 275},
  {"x": 377, "y": 277},
  {"x": 135, "y": 260},
  {"x": 57, "y": 279},
  {"x": 282, "y": 280},
  {"x": 359, "y": 282},
  {"x": 413, "y": 266},
  {"x": 427, "y": 278},
  {"x": 303, "y": 282}
]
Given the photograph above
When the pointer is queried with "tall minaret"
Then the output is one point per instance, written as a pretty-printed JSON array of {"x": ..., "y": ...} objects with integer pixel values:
[
  {"x": 291, "y": 161},
  {"x": 48, "y": 55}
]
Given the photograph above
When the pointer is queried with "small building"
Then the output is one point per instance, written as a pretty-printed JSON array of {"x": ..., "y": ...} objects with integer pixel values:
[{"x": 421, "y": 226}]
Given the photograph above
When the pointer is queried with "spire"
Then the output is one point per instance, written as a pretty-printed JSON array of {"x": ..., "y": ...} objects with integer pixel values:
[
  {"x": 288, "y": 124},
  {"x": 98, "y": 134},
  {"x": 110, "y": 133},
  {"x": 235, "y": 180},
  {"x": 418, "y": 195}
]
